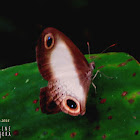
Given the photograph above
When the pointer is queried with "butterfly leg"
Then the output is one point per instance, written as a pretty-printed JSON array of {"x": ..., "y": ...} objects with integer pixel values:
[
  {"x": 98, "y": 71},
  {"x": 93, "y": 79},
  {"x": 95, "y": 75},
  {"x": 94, "y": 87}
]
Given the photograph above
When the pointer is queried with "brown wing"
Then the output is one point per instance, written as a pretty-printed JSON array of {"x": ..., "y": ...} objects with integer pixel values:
[
  {"x": 43, "y": 53},
  {"x": 47, "y": 103},
  {"x": 83, "y": 68}
]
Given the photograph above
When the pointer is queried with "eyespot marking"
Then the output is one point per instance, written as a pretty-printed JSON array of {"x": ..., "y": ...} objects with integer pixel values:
[
  {"x": 48, "y": 41},
  {"x": 71, "y": 104}
]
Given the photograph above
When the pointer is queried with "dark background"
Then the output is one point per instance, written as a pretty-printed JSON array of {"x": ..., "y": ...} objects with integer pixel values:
[{"x": 102, "y": 24}]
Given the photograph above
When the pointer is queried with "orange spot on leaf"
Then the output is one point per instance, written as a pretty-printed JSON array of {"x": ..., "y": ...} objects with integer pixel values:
[
  {"x": 16, "y": 74},
  {"x": 103, "y": 101},
  {"x": 124, "y": 93},
  {"x": 131, "y": 101},
  {"x": 73, "y": 134},
  {"x": 37, "y": 109}
]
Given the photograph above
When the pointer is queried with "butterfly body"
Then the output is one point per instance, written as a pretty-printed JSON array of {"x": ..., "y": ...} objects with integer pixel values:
[{"x": 67, "y": 71}]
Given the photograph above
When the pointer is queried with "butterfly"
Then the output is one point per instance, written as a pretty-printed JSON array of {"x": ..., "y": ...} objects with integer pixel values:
[{"x": 67, "y": 71}]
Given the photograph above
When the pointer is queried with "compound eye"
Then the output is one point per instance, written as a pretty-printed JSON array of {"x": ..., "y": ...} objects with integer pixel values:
[
  {"x": 71, "y": 104},
  {"x": 48, "y": 41}
]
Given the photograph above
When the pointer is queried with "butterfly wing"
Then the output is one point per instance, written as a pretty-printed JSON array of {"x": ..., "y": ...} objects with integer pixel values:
[
  {"x": 47, "y": 103},
  {"x": 62, "y": 64}
]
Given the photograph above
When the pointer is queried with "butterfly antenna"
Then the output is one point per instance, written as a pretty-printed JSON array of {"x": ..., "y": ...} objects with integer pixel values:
[
  {"x": 109, "y": 47},
  {"x": 94, "y": 87},
  {"x": 98, "y": 71},
  {"x": 88, "y": 49}
]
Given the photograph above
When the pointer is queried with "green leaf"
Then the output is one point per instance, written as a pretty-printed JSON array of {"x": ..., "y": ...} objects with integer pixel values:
[{"x": 112, "y": 113}]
